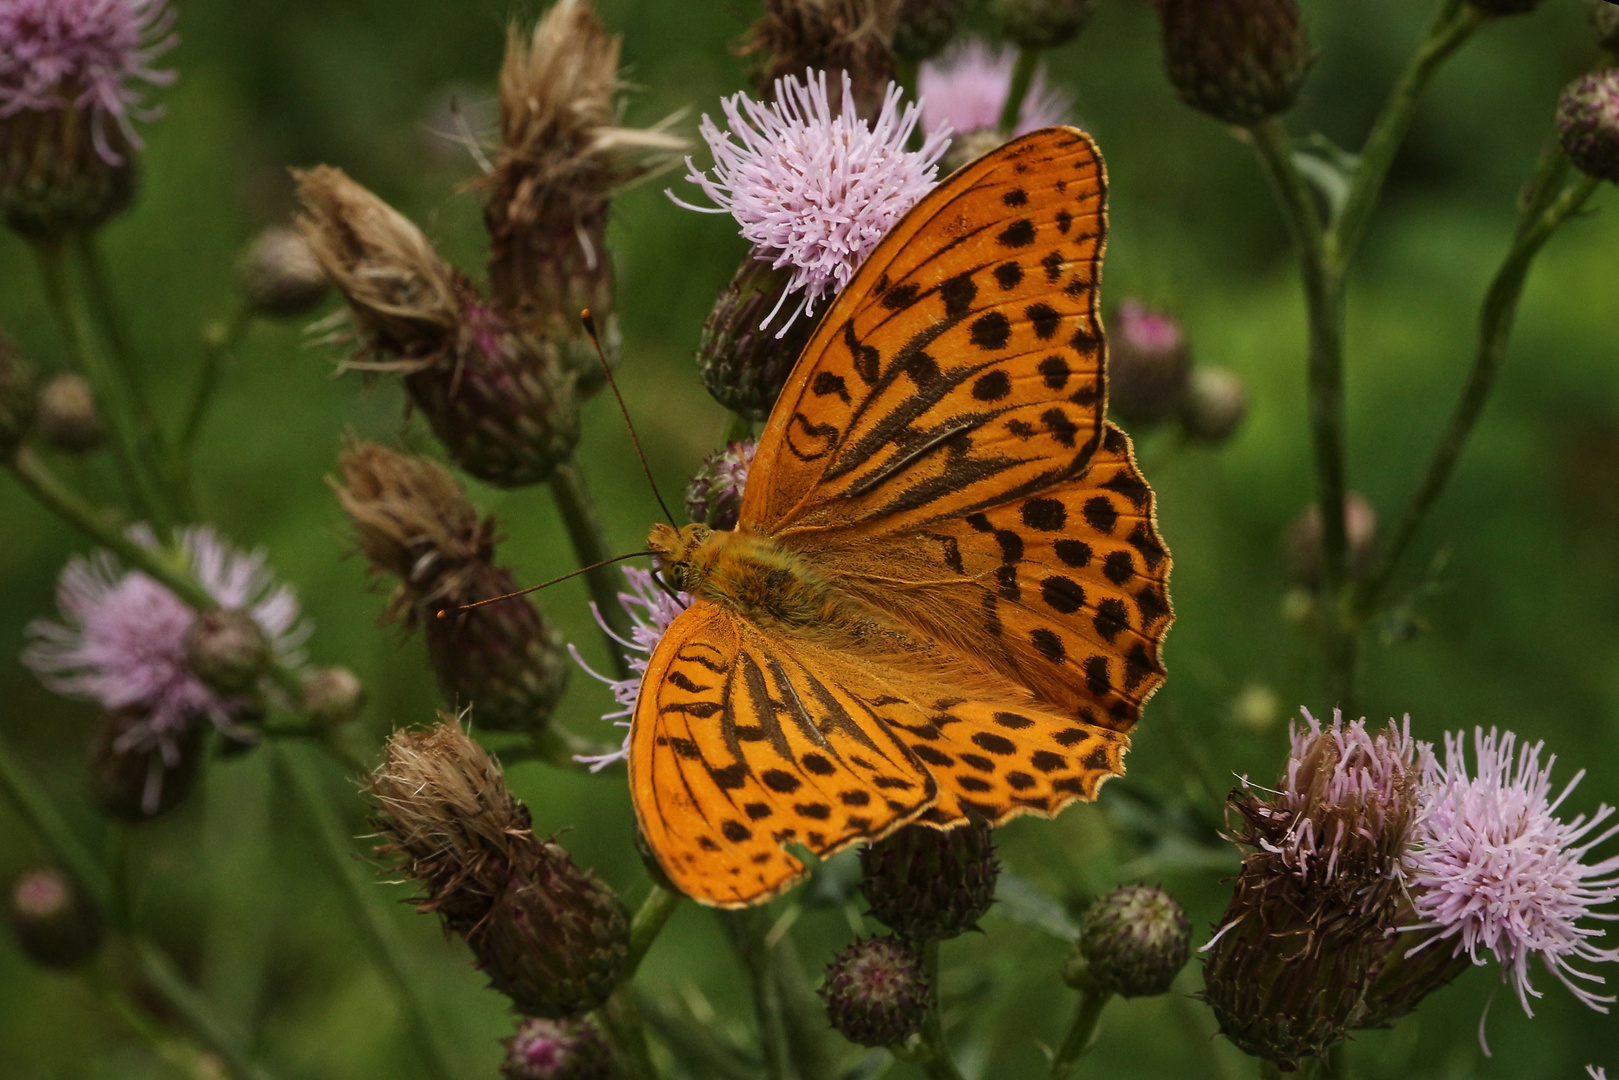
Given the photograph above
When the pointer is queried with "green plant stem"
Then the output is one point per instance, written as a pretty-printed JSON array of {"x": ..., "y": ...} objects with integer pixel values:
[
  {"x": 159, "y": 973},
  {"x": 1028, "y": 61},
  {"x": 1269, "y": 1070},
  {"x": 649, "y": 921},
  {"x": 738, "y": 428},
  {"x": 377, "y": 931},
  {"x": 693, "y": 1044},
  {"x": 620, "y": 1021},
  {"x": 1081, "y": 1031},
  {"x": 48, "y": 824},
  {"x": 931, "y": 1053},
  {"x": 1452, "y": 25},
  {"x": 747, "y": 932},
  {"x": 219, "y": 343},
  {"x": 803, "y": 1014},
  {"x": 589, "y": 544},
  {"x": 135, "y": 449},
  {"x": 1496, "y": 318},
  {"x": 1323, "y": 297}
]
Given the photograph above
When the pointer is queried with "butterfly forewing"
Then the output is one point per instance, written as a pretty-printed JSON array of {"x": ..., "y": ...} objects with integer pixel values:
[{"x": 974, "y": 320}]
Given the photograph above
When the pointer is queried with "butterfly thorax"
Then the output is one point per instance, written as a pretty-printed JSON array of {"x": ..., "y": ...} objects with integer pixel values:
[{"x": 760, "y": 579}]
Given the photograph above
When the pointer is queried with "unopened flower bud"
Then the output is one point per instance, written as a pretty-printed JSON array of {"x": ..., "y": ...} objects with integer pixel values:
[
  {"x": 1042, "y": 24},
  {"x": 1588, "y": 124},
  {"x": 281, "y": 277},
  {"x": 1214, "y": 405},
  {"x": 877, "y": 992},
  {"x": 17, "y": 402},
  {"x": 925, "y": 27},
  {"x": 968, "y": 148},
  {"x": 54, "y": 922},
  {"x": 1506, "y": 7},
  {"x": 68, "y": 419},
  {"x": 1604, "y": 18},
  {"x": 833, "y": 36},
  {"x": 135, "y": 780},
  {"x": 332, "y": 696},
  {"x": 1240, "y": 61},
  {"x": 1304, "y": 541},
  {"x": 550, "y": 936},
  {"x": 927, "y": 884},
  {"x": 414, "y": 521},
  {"x": 558, "y": 1050},
  {"x": 714, "y": 496},
  {"x": 228, "y": 650},
  {"x": 1132, "y": 942},
  {"x": 1149, "y": 365},
  {"x": 740, "y": 359}
]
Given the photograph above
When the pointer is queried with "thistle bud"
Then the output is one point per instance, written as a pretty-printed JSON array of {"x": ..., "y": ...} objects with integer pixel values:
[
  {"x": 414, "y": 522},
  {"x": 54, "y": 922},
  {"x": 1604, "y": 18},
  {"x": 714, "y": 496},
  {"x": 550, "y": 936},
  {"x": 558, "y": 1050},
  {"x": 495, "y": 394},
  {"x": 17, "y": 402},
  {"x": 1132, "y": 942},
  {"x": 228, "y": 650},
  {"x": 1149, "y": 365},
  {"x": 1321, "y": 886},
  {"x": 741, "y": 361},
  {"x": 924, "y": 27},
  {"x": 281, "y": 277},
  {"x": 1506, "y": 7},
  {"x": 135, "y": 779},
  {"x": 1304, "y": 541},
  {"x": 926, "y": 884},
  {"x": 561, "y": 156},
  {"x": 1042, "y": 24},
  {"x": 834, "y": 36},
  {"x": 68, "y": 419},
  {"x": 53, "y": 181},
  {"x": 1588, "y": 124},
  {"x": 1214, "y": 405},
  {"x": 1240, "y": 61},
  {"x": 876, "y": 992},
  {"x": 332, "y": 696}
]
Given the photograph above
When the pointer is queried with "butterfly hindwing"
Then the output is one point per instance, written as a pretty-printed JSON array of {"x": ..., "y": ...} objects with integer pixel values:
[
  {"x": 967, "y": 348},
  {"x": 742, "y": 744}
]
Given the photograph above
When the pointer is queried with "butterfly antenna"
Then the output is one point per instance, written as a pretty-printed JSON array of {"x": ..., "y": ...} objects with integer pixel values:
[
  {"x": 445, "y": 612},
  {"x": 590, "y": 328}
]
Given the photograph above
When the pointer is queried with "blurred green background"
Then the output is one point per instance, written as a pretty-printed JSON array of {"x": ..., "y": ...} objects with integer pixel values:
[{"x": 1522, "y": 633}]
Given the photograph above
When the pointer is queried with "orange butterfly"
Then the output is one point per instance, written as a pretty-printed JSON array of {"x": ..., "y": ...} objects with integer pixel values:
[{"x": 946, "y": 595}]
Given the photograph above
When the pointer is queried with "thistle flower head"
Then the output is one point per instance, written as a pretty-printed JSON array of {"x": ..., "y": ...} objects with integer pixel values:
[
  {"x": 558, "y": 1050},
  {"x": 714, "y": 496},
  {"x": 965, "y": 89},
  {"x": 651, "y": 610},
  {"x": 1494, "y": 870},
  {"x": 1150, "y": 366},
  {"x": 814, "y": 189},
  {"x": 877, "y": 992},
  {"x": 122, "y": 639},
  {"x": 88, "y": 55},
  {"x": 1132, "y": 942}
]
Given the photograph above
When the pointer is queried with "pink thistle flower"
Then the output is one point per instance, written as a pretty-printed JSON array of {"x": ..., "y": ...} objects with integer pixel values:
[
  {"x": 88, "y": 55},
  {"x": 965, "y": 90},
  {"x": 812, "y": 190},
  {"x": 121, "y": 641},
  {"x": 651, "y": 610},
  {"x": 1493, "y": 868}
]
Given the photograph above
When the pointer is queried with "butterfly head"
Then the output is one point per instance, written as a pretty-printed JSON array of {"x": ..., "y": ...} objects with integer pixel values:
[{"x": 679, "y": 550}]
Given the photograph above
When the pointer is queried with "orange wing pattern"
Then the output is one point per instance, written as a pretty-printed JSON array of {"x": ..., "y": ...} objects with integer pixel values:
[{"x": 972, "y": 327}]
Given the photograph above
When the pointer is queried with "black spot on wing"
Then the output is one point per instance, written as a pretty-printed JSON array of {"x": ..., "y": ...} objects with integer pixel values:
[{"x": 1019, "y": 234}]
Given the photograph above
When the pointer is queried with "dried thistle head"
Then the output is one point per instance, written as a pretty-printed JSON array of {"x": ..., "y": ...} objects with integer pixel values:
[
  {"x": 856, "y": 36},
  {"x": 402, "y": 295},
  {"x": 448, "y": 819},
  {"x": 412, "y": 520}
]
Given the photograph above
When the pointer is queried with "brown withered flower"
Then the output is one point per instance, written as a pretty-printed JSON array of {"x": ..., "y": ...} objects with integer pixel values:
[
  {"x": 856, "y": 36},
  {"x": 561, "y": 156},
  {"x": 496, "y": 394},
  {"x": 414, "y": 522},
  {"x": 549, "y": 935}
]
